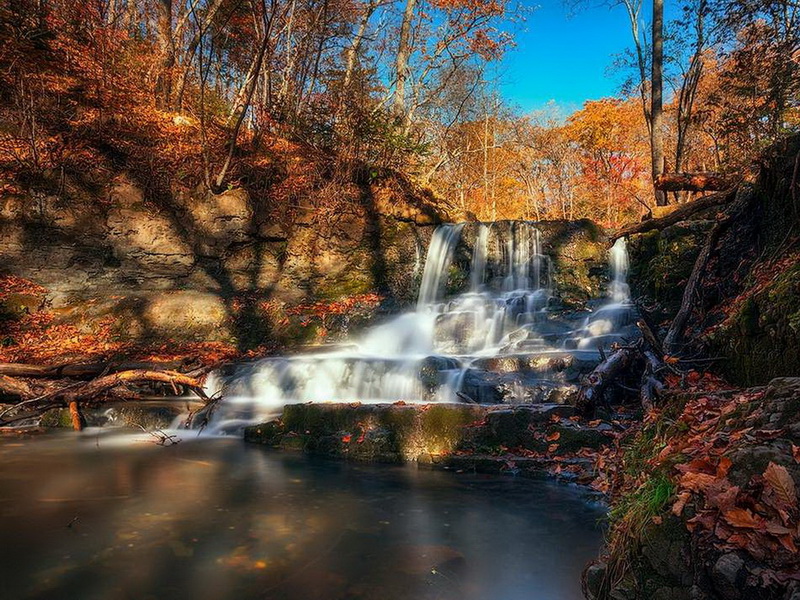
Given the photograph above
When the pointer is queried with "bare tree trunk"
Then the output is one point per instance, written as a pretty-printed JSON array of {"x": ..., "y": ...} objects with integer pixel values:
[
  {"x": 403, "y": 51},
  {"x": 259, "y": 62},
  {"x": 166, "y": 48},
  {"x": 283, "y": 93},
  {"x": 351, "y": 54},
  {"x": 191, "y": 49},
  {"x": 656, "y": 102}
]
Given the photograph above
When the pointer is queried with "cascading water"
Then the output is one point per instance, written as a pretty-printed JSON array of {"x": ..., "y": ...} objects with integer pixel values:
[
  {"x": 618, "y": 258},
  {"x": 453, "y": 346}
]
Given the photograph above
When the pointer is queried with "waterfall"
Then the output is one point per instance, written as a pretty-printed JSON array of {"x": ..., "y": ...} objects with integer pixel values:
[
  {"x": 440, "y": 253},
  {"x": 447, "y": 347},
  {"x": 618, "y": 259},
  {"x": 479, "y": 257}
]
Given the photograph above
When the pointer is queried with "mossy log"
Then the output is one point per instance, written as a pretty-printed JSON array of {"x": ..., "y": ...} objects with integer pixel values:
[
  {"x": 692, "y": 182},
  {"x": 679, "y": 214}
]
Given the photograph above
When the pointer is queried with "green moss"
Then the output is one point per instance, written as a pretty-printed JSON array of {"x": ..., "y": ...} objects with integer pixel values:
[
  {"x": 760, "y": 339},
  {"x": 441, "y": 427},
  {"x": 56, "y": 417},
  {"x": 647, "y": 501},
  {"x": 350, "y": 284},
  {"x": 661, "y": 262}
]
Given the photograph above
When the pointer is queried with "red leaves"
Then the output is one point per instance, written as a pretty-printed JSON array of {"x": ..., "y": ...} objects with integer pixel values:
[{"x": 337, "y": 307}]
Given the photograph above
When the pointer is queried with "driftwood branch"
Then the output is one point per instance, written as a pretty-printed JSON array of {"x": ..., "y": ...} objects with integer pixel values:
[
  {"x": 644, "y": 357},
  {"x": 593, "y": 390},
  {"x": 679, "y": 214},
  {"x": 74, "y": 394},
  {"x": 81, "y": 370}
]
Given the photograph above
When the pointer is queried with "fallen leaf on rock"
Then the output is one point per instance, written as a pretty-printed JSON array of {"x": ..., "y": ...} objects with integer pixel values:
[
  {"x": 553, "y": 436},
  {"x": 788, "y": 543},
  {"x": 742, "y": 518},
  {"x": 782, "y": 484},
  {"x": 724, "y": 466},
  {"x": 697, "y": 482}
]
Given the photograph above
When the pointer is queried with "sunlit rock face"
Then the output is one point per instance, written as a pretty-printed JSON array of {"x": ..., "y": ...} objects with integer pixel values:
[{"x": 490, "y": 326}]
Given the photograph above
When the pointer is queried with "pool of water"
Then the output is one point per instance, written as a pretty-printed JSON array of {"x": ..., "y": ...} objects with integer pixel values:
[{"x": 94, "y": 517}]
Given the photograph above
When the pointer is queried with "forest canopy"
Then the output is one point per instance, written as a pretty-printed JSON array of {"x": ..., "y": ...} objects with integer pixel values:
[{"x": 212, "y": 92}]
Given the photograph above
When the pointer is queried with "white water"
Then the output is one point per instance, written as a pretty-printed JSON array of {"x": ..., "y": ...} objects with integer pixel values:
[{"x": 435, "y": 352}]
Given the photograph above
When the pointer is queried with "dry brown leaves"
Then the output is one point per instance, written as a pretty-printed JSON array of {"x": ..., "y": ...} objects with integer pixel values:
[{"x": 760, "y": 517}]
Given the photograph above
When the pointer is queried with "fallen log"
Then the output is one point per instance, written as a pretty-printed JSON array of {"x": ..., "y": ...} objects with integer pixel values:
[
  {"x": 14, "y": 387},
  {"x": 674, "y": 338},
  {"x": 692, "y": 182},
  {"x": 679, "y": 214},
  {"x": 594, "y": 387},
  {"x": 81, "y": 370},
  {"x": 98, "y": 390}
]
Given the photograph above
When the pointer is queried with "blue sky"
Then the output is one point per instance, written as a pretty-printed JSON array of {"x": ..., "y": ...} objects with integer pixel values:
[{"x": 564, "y": 56}]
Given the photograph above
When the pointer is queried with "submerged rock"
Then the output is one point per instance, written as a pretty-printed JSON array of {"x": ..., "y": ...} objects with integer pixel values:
[{"x": 533, "y": 440}]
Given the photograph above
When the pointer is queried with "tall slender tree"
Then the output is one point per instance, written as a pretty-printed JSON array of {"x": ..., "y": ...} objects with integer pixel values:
[{"x": 656, "y": 98}]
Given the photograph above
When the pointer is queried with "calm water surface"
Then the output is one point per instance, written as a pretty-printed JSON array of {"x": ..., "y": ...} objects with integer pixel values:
[{"x": 216, "y": 519}]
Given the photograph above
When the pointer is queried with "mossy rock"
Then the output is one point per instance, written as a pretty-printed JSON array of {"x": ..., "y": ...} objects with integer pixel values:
[
  {"x": 760, "y": 338},
  {"x": 662, "y": 261},
  {"x": 56, "y": 417},
  {"x": 385, "y": 433}
]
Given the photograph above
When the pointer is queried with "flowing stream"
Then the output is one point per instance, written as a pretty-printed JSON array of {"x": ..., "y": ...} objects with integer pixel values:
[{"x": 455, "y": 346}]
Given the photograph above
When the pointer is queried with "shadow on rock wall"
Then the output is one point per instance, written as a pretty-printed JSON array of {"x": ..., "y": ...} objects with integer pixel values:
[{"x": 190, "y": 265}]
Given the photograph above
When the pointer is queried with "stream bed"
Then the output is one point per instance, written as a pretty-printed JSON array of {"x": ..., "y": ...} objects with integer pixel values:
[{"x": 113, "y": 517}]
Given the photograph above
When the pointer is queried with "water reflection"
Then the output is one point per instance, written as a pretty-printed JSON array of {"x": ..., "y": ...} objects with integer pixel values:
[{"x": 217, "y": 519}]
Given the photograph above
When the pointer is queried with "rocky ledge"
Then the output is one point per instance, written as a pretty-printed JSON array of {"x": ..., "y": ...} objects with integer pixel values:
[{"x": 530, "y": 440}]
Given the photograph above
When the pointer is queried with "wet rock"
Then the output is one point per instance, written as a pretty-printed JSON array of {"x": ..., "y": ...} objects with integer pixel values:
[
  {"x": 726, "y": 575},
  {"x": 594, "y": 578}
]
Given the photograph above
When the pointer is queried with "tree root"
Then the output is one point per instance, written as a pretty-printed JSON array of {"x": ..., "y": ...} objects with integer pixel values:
[{"x": 36, "y": 399}]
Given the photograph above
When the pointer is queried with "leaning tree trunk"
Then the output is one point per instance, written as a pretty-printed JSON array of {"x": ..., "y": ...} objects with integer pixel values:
[{"x": 401, "y": 65}]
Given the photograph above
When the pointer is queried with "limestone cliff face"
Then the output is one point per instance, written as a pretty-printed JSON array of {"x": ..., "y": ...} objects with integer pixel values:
[{"x": 184, "y": 268}]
